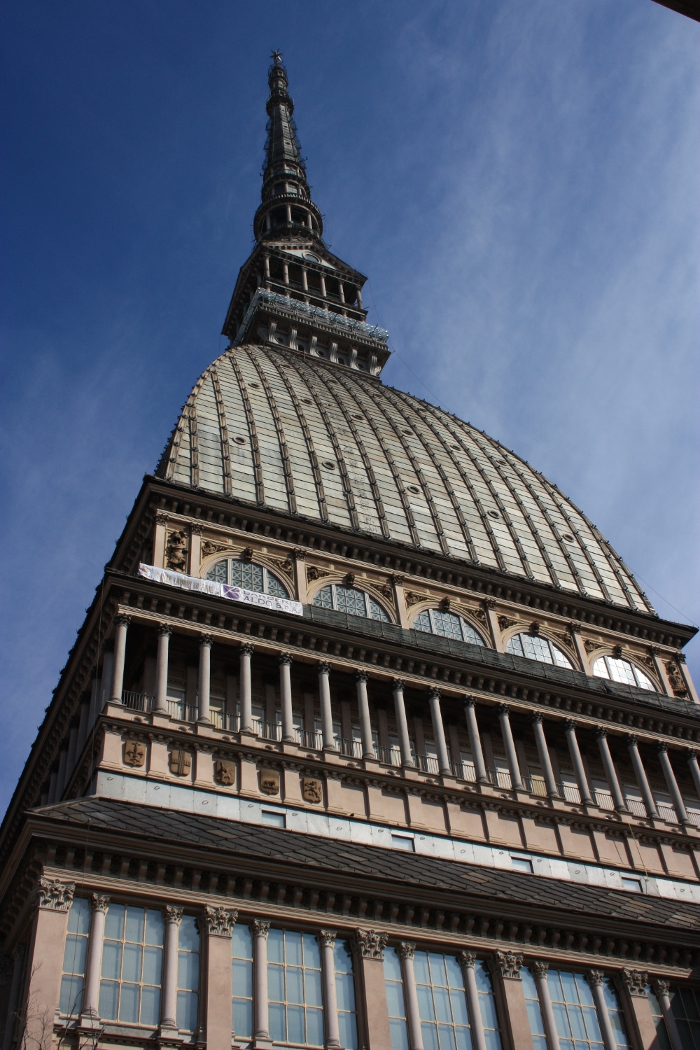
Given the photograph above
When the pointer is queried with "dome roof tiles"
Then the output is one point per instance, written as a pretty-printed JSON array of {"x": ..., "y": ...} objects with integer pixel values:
[{"x": 329, "y": 444}]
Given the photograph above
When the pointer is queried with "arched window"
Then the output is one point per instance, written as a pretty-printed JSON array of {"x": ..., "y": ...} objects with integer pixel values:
[
  {"x": 350, "y": 600},
  {"x": 246, "y": 574},
  {"x": 535, "y": 647},
  {"x": 624, "y": 671},
  {"x": 447, "y": 625}
]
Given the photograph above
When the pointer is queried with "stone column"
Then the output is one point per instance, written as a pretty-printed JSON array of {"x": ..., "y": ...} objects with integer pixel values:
[
  {"x": 655, "y": 654},
  {"x": 373, "y": 1016},
  {"x": 545, "y": 760},
  {"x": 285, "y": 662},
  {"x": 577, "y": 762},
  {"x": 261, "y": 929},
  {"x": 662, "y": 989},
  {"x": 694, "y": 769},
  {"x": 509, "y": 744},
  {"x": 640, "y": 774},
  {"x": 610, "y": 771},
  {"x": 99, "y": 904},
  {"x": 205, "y": 645},
  {"x": 300, "y": 574},
  {"x": 595, "y": 979},
  {"x": 690, "y": 685},
  {"x": 13, "y": 998},
  {"x": 45, "y": 960},
  {"x": 219, "y": 923},
  {"x": 164, "y": 632},
  {"x": 633, "y": 984},
  {"x": 439, "y": 732},
  {"x": 168, "y": 1008},
  {"x": 326, "y": 939},
  {"x": 363, "y": 707},
  {"x": 195, "y": 550},
  {"x": 324, "y": 692},
  {"x": 159, "y": 541},
  {"x": 539, "y": 970},
  {"x": 402, "y": 724},
  {"x": 400, "y": 599},
  {"x": 672, "y": 784},
  {"x": 475, "y": 740},
  {"x": 415, "y": 1035},
  {"x": 506, "y": 967},
  {"x": 122, "y": 623},
  {"x": 489, "y": 606},
  {"x": 575, "y": 633},
  {"x": 467, "y": 962},
  {"x": 246, "y": 692}
]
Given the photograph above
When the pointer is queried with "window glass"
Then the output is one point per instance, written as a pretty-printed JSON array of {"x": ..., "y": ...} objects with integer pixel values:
[
  {"x": 74, "y": 957},
  {"x": 575, "y": 1012},
  {"x": 294, "y": 988},
  {"x": 659, "y": 1023},
  {"x": 345, "y": 992},
  {"x": 246, "y": 574},
  {"x": 534, "y": 1013},
  {"x": 535, "y": 647},
  {"x": 132, "y": 963},
  {"x": 617, "y": 1018},
  {"x": 350, "y": 600},
  {"x": 442, "y": 1002},
  {"x": 487, "y": 1006},
  {"x": 188, "y": 975},
  {"x": 242, "y": 981},
  {"x": 395, "y": 1000},
  {"x": 685, "y": 1003},
  {"x": 447, "y": 625},
  {"x": 624, "y": 671}
]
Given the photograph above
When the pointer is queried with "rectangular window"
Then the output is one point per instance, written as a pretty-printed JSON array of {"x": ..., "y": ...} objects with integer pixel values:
[
  {"x": 395, "y": 1000},
  {"x": 521, "y": 864},
  {"x": 442, "y": 1002},
  {"x": 345, "y": 993},
  {"x": 242, "y": 981},
  {"x": 74, "y": 958},
  {"x": 404, "y": 842},
  {"x": 188, "y": 975},
  {"x": 294, "y": 988},
  {"x": 575, "y": 1012},
  {"x": 685, "y": 1003},
  {"x": 659, "y": 1023},
  {"x": 274, "y": 819},
  {"x": 630, "y": 883},
  {"x": 132, "y": 963},
  {"x": 534, "y": 1013},
  {"x": 487, "y": 1006}
]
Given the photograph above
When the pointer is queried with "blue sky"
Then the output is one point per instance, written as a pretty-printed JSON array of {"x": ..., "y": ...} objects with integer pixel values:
[{"x": 519, "y": 180}]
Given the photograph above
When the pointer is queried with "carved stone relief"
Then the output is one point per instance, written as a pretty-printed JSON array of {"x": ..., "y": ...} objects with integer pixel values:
[
  {"x": 180, "y": 762},
  {"x": 269, "y": 781},
  {"x": 312, "y": 790},
  {"x": 134, "y": 753},
  {"x": 225, "y": 772},
  {"x": 176, "y": 550},
  {"x": 370, "y": 944},
  {"x": 313, "y": 572},
  {"x": 52, "y": 893}
]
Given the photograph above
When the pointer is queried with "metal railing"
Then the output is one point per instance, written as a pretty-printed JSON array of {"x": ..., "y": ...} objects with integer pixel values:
[
  {"x": 137, "y": 701},
  {"x": 388, "y": 756},
  {"x": 349, "y": 748}
]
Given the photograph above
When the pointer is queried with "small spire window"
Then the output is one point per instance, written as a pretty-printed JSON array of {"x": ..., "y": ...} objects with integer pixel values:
[
  {"x": 447, "y": 625},
  {"x": 624, "y": 671},
  {"x": 535, "y": 647},
  {"x": 246, "y": 574},
  {"x": 350, "y": 600}
]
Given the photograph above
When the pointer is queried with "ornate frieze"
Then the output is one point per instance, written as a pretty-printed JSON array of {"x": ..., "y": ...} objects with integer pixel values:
[
  {"x": 219, "y": 921},
  {"x": 54, "y": 894},
  {"x": 507, "y": 965},
  {"x": 635, "y": 981},
  {"x": 370, "y": 944}
]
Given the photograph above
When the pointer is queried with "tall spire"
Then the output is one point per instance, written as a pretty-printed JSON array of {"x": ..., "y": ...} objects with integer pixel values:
[{"x": 286, "y": 198}]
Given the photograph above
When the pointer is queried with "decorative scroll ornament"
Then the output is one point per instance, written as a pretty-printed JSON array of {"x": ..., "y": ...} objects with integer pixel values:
[
  {"x": 225, "y": 772},
  {"x": 370, "y": 944},
  {"x": 269, "y": 781},
  {"x": 220, "y": 921},
  {"x": 313, "y": 572},
  {"x": 54, "y": 894},
  {"x": 180, "y": 762},
  {"x": 507, "y": 965},
  {"x": 504, "y": 622},
  {"x": 635, "y": 981},
  {"x": 412, "y": 598},
  {"x": 590, "y": 646},
  {"x": 312, "y": 790},
  {"x": 134, "y": 753},
  {"x": 326, "y": 938}
]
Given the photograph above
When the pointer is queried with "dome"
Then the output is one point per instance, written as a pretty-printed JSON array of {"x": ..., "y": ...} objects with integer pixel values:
[{"x": 328, "y": 443}]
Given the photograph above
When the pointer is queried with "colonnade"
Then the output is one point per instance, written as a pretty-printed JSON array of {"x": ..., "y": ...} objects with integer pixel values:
[{"x": 407, "y": 757}]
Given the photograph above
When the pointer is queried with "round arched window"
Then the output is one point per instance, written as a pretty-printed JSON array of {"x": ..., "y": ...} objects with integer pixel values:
[
  {"x": 535, "y": 647},
  {"x": 350, "y": 600},
  {"x": 447, "y": 625},
  {"x": 246, "y": 574},
  {"x": 624, "y": 671}
]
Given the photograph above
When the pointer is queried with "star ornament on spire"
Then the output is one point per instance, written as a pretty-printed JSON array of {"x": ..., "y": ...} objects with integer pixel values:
[{"x": 277, "y": 57}]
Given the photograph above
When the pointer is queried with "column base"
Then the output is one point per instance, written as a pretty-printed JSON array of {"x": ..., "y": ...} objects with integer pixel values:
[
  {"x": 262, "y": 1042},
  {"x": 169, "y": 1037}
]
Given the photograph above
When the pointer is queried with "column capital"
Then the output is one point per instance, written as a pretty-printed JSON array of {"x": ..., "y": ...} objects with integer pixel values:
[
  {"x": 570, "y": 724},
  {"x": 538, "y": 717},
  {"x": 469, "y": 701},
  {"x": 540, "y": 967},
  {"x": 247, "y": 649},
  {"x": 173, "y": 914},
  {"x": 635, "y": 981},
  {"x": 467, "y": 960},
  {"x": 285, "y": 659},
  {"x": 369, "y": 944},
  {"x": 122, "y": 620},
  {"x": 679, "y": 656},
  {"x": 407, "y": 949},
  {"x": 323, "y": 667},
  {"x": 361, "y": 676},
  {"x": 434, "y": 692},
  {"x": 503, "y": 709},
  {"x": 595, "y": 978},
  {"x": 206, "y": 641},
  {"x": 507, "y": 965},
  {"x": 219, "y": 921},
  {"x": 299, "y": 553},
  {"x": 692, "y": 754},
  {"x": 601, "y": 732},
  {"x": 99, "y": 902},
  {"x": 397, "y": 683},
  {"x": 662, "y": 747},
  {"x": 54, "y": 894},
  {"x": 261, "y": 927},
  {"x": 165, "y": 628},
  {"x": 196, "y": 529},
  {"x": 661, "y": 986},
  {"x": 326, "y": 938},
  {"x": 632, "y": 740},
  {"x": 489, "y": 603}
]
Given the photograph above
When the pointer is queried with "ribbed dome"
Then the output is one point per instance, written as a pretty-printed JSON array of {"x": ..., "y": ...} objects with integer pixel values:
[{"x": 327, "y": 443}]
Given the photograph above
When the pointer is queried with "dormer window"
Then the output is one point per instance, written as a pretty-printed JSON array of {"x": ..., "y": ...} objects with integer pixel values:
[
  {"x": 246, "y": 574},
  {"x": 350, "y": 600},
  {"x": 536, "y": 647},
  {"x": 447, "y": 625},
  {"x": 624, "y": 671}
]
